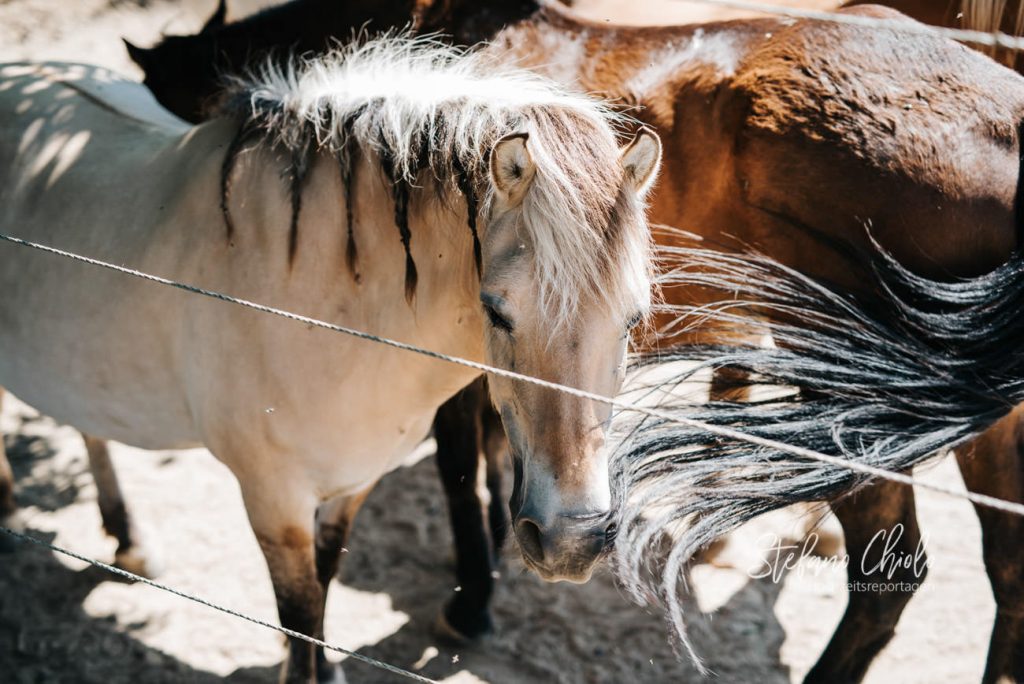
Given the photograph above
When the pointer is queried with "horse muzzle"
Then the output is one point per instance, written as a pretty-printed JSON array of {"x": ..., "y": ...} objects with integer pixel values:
[{"x": 567, "y": 548}]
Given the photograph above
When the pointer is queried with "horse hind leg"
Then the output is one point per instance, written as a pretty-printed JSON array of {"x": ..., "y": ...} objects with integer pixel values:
[
  {"x": 132, "y": 553},
  {"x": 878, "y": 517},
  {"x": 9, "y": 516},
  {"x": 284, "y": 517},
  {"x": 994, "y": 464}
]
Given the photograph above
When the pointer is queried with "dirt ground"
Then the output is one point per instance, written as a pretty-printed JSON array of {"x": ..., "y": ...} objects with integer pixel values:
[{"x": 63, "y": 622}]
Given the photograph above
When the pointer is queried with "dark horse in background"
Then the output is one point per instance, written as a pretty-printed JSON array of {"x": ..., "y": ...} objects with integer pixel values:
[{"x": 776, "y": 135}]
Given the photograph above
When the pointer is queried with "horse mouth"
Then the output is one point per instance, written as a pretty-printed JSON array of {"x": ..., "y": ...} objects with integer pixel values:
[
  {"x": 578, "y": 574},
  {"x": 574, "y": 568}
]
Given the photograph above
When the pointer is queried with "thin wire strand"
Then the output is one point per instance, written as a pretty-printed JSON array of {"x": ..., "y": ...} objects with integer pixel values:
[
  {"x": 993, "y": 38},
  {"x": 209, "y": 604},
  {"x": 722, "y": 431}
]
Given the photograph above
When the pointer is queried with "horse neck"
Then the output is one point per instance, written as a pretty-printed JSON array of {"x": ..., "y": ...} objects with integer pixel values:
[{"x": 651, "y": 66}]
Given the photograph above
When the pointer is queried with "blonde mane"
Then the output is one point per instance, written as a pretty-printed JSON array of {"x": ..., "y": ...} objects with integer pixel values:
[{"x": 430, "y": 115}]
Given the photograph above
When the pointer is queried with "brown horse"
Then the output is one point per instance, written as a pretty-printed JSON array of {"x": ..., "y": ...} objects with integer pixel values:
[{"x": 795, "y": 129}]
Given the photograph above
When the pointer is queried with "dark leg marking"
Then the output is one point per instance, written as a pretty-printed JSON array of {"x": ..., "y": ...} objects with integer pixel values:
[{"x": 300, "y": 597}]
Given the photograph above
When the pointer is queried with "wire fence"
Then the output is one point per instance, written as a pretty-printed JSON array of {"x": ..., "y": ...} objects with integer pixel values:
[
  {"x": 992, "y": 39},
  {"x": 379, "y": 664},
  {"x": 974, "y": 497},
  {"x": 719, "y": 430},
  {"x": 988, "y": 38}
]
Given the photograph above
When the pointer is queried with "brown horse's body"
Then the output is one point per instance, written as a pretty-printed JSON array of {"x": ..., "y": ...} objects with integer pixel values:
[
  {"x": 779, "y": 135},
  {"x": 787, "y": 136}
]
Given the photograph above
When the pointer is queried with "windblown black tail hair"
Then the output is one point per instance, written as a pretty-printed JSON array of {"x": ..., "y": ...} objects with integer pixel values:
[{"x": 886, "y": 381}]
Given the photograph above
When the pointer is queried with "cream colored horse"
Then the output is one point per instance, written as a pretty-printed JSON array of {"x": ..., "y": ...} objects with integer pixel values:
[{"x": 341, "y": 190}]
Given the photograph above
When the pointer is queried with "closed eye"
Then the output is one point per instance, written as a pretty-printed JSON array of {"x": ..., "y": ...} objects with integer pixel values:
[
  {"x": 492, "y": 305},
  {"x": 636, "y": 320},
  {"x": 497, "y": 320}
]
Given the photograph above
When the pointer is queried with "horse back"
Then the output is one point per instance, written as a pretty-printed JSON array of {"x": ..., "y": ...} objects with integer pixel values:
[
  {"x": 825, "y": 131},
  {"x": 27, "y": 84},
  {"x": 89, "y": 164},
  {"x": 74, "y": 123}
]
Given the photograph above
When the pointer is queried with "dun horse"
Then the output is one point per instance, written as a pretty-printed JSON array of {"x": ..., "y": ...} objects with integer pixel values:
[
  {"x": 438, "y": 199},
  {"x": 770, "y": 142}
]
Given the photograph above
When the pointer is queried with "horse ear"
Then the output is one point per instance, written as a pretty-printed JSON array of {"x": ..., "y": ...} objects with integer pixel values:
[
  {"x": 139, "y": 55},
  {"x": 641, "y": 160},
  {"x": 512, "y": 167},
  {"x": 216, "y": 20}
]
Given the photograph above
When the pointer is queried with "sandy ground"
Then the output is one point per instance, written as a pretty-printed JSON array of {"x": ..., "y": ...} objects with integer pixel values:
[{"x": 63, "y": 622}]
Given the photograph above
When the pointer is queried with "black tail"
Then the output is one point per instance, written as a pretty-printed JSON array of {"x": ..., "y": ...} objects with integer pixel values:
[{"x": 886, "y": 381}]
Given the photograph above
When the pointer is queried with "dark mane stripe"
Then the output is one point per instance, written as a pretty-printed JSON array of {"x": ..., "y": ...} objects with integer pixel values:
[
  {"x": 245, "y": 133},
  {"x": 348, "y": 162},
  {"x": 466, "y": 186},
  {"x": 302, "y": 158},
  {"x": 400, "y": 194}
]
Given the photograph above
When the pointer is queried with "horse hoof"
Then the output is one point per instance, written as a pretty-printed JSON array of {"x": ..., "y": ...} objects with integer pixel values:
[
  {"x": 462, "y": 634},
  {"x": 138, "y": 562}
]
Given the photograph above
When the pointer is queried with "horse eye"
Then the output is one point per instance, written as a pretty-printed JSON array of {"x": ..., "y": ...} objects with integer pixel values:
[
  {"x": 636, "y": 320},
  {"x": 497, "y": 320}
]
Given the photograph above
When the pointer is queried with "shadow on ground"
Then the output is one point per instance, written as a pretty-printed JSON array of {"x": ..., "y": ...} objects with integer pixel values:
[{"x": 401, "y": 548}]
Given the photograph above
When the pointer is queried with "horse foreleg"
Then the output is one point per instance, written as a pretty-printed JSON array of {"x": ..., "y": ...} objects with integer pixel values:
[
  {"x": 457, "y": 429},
  {"x": 133, "y": 554},
  {"x": 994, "y": 464},
  {"x": 283, "y": 518},
  {"x": 333, "y": 526},
  {"x": 872, "y": 520}
]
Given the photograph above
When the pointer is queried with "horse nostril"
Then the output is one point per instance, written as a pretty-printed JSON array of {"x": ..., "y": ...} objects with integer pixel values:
[
  {"x": 528, "y": 535},
  {"x": 610, "y": 533}
]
